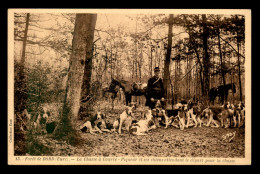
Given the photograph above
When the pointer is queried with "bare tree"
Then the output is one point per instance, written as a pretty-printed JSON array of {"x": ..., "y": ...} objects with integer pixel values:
[
  {"x": 206, "y": 60},
  {"x": 168, "y": 56},
  {"x": 20, "y": 83}
]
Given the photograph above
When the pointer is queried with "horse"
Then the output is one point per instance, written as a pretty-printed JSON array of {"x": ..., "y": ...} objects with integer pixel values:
[
  {"x": 213, "y": 93},
  {"x": 111, "y": 89},
  {"x": 129, "y": 89},
  {"x": 222, "y": 92}
]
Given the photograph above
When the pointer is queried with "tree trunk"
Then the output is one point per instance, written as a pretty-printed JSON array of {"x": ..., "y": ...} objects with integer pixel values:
[
  {"x": 239, "y": 70},
  {"x": 80, "y": 66},
  {"x": 25, "y": 39},
  {"x": 168, "y": 57},
  {"x": 189, "y": 78},
  {"x": 221, "y": 62},
  {"x": 140, "y": 66},
  {"x": 133, "y": 70},
  {"x": 175, "y": 81},
  {"x": 194, "y": 46},
  {"x": 151, "y": 62},
  {"x": 90, "y": 26},
  {"x": 20, "y": 96},
  {"x": 206, "y": 61},
  {"x": 20, "y": 81}
]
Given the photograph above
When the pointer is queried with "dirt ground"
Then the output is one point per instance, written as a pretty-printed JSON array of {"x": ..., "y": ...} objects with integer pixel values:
[{"x": 171, "y": 142}]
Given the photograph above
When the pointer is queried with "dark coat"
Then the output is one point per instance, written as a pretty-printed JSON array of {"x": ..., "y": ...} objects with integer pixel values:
[{"x": 154, "y": 90}]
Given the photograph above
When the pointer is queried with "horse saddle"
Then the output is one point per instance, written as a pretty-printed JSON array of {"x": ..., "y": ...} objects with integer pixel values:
[{"x": 140, "y": 86}]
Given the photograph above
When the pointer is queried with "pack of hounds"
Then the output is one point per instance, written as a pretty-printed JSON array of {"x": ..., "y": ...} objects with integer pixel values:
[
  {"x": 37, "y": 122},
  {"x": 184, "y": 115}
]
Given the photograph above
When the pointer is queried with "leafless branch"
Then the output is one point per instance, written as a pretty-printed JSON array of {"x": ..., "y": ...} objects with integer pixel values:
[
  {"x": 231, "y": 46},
  {"x": 68, "y": 19}
]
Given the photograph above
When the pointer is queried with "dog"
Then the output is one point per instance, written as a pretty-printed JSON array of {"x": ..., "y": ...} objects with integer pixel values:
[
  {"x": 94, "y": 124},
  {"x": 25, "y": 120},
  {"x": 99, "y": 115},
  {"x": 182, "y": 115},
  {"x": 172, "y": 115},
  {"x": 177, "y": 115},
  {"x": 144, "y": 125},
  {"x": 239, "y": 114},
  {"x": 115, "y": 125},
  {"x": 174, "y": 121},
  {"x": 197, "y": 110},
  {"x": 227, "y": 114},
  {"x": 39, "y": 125},
  {"x": 231, "y": 113},
  {"x": 112, "y": 123},
  {"x": 125, "y": 119},
  {"x": 193, "y": 113},
  {"x": 159, "y": 114},
  {"x": 225, "y": 118},
  {"x": 208, "y": 113},
  {"x": 223, "y": 113}
]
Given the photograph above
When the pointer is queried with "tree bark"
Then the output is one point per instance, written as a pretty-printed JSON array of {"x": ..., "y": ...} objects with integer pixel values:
[
  {"x": 168, "y": 56},
  {"x": 239, "y": 69},
  {"x": 20, "y": 96},
  {"x": 151, "y": 62},
  {"x": 90, "y": 26},
  {"x": 20, "y": 81},
  {"x": 206, "y": 61},
  {"x": 221, "y": 60},
  {"x": 79, "y": 67}
]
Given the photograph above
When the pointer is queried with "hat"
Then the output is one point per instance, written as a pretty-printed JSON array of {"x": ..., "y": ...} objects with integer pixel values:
[{"x": 156, "y": 69}]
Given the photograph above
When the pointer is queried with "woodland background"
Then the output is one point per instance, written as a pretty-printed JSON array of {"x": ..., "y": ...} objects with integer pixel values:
[{"x": 62, "y": 59}]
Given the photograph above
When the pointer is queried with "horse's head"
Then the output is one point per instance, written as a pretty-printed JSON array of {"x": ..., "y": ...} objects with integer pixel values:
[
  {"x": 114, "y": 86},
  {"x": 136, "y": 86}
]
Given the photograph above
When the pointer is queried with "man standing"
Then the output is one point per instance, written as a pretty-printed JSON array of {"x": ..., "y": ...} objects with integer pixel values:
[{"x": 155, "y": 90}]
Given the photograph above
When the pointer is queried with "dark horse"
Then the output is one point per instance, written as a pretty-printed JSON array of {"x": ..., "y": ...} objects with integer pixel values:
[
  {"x": 111, "y": 89},
  {"x": 222, "y": 92},
  {"x": 129, "y": 89}
]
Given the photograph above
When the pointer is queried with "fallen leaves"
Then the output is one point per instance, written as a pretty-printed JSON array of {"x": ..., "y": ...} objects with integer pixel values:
[{"x": 171, "y": 142}]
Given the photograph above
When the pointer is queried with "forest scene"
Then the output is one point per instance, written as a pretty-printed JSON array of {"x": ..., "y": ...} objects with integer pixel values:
[{"x": 70, "y": 67}]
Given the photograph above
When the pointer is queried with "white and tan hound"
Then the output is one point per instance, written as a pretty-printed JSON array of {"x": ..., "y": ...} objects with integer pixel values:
[{"x": 144, "y": 125}]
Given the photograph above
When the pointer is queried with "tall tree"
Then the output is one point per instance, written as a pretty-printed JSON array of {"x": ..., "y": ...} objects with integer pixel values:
[
  {"x": 239, "y": 37},
  {"x": 20, "y": 94},
  {"x": 194, "y": 45},
  {"x": 206, "y": 60},
  {"x": 220, "y": 53},
  {"x": 20, "y": 83},
  {"x": 81, "y": 56},
  {"x": 88, "y": 61},
  {"x": 168, "y": 56}
]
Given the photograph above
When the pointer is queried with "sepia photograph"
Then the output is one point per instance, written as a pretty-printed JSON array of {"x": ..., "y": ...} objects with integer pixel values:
[{"x": 129, "y": 87}]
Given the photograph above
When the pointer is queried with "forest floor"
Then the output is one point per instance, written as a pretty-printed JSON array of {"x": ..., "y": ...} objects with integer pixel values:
[{"x": 171, "y": 142}]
